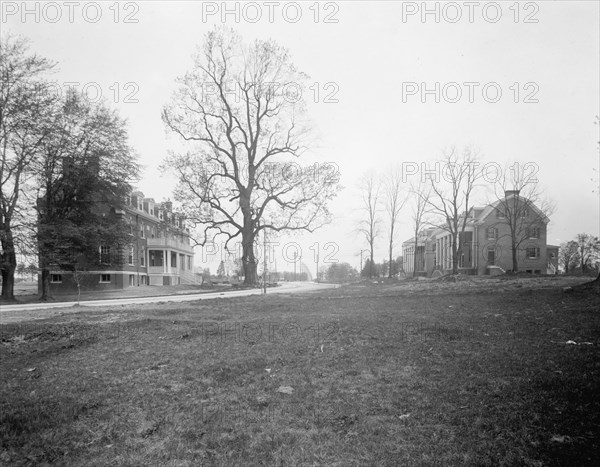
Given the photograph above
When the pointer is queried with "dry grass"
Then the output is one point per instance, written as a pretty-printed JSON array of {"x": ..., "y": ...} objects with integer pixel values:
[{"x": 388, "y": 375}]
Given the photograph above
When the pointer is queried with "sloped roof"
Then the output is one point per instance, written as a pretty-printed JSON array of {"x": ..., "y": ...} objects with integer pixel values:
[{"x": 490, "y": 208}]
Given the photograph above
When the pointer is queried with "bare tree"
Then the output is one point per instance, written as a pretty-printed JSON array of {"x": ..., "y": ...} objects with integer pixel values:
[
  {"x": 369, "y": 225},
  {"x": 24, "y": 105},
  {"x": 451, "y": 191},
  {"x": 394, "y": 202},
  {"x": 421, "y": 193},
  {"x": 520, "y": 206},
  {"x": 241, "y": 110}
]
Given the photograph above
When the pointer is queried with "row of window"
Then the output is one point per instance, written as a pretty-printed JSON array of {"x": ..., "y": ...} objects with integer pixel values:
[
  {"x": 156, "y": 258},
  {"x": 160, "y": 213},
  {"x": 530, "y": 253},
  {"x": 151, "y": 231},
  {"x": 530, "y": 232},
  {"x": 57, "y": 278}
]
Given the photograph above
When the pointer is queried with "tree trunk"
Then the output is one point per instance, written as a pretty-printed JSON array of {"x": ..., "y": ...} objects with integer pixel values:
[
  {"x": 390, "y": 263},
  {"x": 415, "y": 254},
  {"x": 8, "y": 264},
  {"x": 248, "y": 256},
  {"x": 45, "y": 284},
  {"x": 454, "y": 255},
  {"x": 371, "y": 264},
  {"x": 515, "y": 258}
]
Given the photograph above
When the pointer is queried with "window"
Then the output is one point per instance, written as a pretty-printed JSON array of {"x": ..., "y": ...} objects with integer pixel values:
[
  {"x": 131, "y": 279},
  {"x": 533, "y": 253},
  {"x": 142, "y": 230},
  {"x": 492, "y": 233},
  {"x": 104, "y": 278},
  {"x": 130, "y": 258},
  {"x": 56, "y": 279},
  {"x": 173, "y": 260},
  {"x": 500, "y": 214},
  {"x": 156, "y": 258},
  {"x": 143, "y": 258},
  {"x": 189, "y": 261},
  {"x": 104, "y": 254},
  {"x": 491, "y": 252},
  {"x": 533, "y": 232},
  {"x": 182, "y": 261}
]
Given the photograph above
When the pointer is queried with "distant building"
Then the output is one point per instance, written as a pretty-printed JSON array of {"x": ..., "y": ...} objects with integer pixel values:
[
  {"x": 159, "y": 253},
  {"x": 485, "y": 244}
]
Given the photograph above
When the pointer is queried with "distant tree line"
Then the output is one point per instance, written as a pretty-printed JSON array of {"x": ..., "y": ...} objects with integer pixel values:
[{"x": 581, "y": 255}]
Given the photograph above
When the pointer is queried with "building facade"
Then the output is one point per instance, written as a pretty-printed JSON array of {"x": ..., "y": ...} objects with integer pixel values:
[
  {"x": 159, "y": 253},
  {"x": 485, "y": 246}
]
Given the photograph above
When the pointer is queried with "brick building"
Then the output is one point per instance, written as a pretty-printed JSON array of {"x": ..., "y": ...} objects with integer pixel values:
[
  {"x": 485, "y": 244},
  {"x": 159, "y": 253}
]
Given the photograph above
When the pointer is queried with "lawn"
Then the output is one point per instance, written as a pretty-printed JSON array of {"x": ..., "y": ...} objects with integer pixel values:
[{"x": 439, "y": 374}]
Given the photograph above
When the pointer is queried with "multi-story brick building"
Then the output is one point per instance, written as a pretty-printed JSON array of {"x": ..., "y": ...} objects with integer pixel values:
[
  {"x": 485, "y": 244},
  {"x": 159, "y": 253}
]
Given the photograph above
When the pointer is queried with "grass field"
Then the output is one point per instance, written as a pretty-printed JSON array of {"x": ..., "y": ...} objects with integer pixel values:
[{"x": 439, "y": 374}]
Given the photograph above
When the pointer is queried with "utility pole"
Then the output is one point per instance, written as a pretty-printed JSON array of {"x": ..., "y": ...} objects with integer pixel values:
[
  {"x": 265, "y": 261},
  {"x": 295, "y": 256},
  {"x": 361, "y": 261},
  {"x": 317, "y": 265}
]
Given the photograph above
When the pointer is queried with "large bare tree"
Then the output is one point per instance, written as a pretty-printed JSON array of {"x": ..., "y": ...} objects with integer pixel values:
[
  {"x": 394, "y": 202},
  {"x": 240, "y": 110},
  {"x": 369, "y": 225},
  {"x": 24, "y": 106},
  {"x": 451, "y": 194},
  {"x": 519, "y": 206}
]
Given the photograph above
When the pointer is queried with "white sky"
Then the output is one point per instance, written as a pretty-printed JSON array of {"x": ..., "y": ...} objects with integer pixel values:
[{"x": 368, "y": 54}]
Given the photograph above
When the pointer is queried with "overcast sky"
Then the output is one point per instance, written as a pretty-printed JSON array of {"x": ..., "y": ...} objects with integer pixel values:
[{"x": 367, "y": 50}]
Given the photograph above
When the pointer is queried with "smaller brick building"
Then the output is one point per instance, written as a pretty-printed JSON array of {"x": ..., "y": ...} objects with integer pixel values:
[{"x": 485, "y": 246}]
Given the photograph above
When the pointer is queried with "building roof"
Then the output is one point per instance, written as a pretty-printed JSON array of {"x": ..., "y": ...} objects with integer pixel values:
[{"x": 490, "y": 208}]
